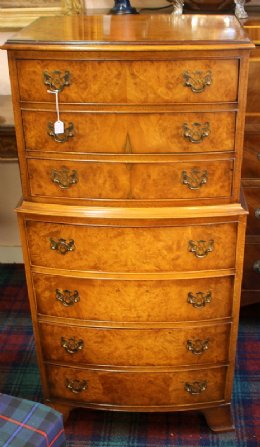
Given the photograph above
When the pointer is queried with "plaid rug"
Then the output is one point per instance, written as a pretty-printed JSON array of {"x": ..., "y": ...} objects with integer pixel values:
[{"x": 19, "y": 376}]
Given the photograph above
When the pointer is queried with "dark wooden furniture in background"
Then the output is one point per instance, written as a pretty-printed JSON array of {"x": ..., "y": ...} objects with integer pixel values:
[
  {"x": 8, "y": 148},
  {"x": 251, "y": 169}
]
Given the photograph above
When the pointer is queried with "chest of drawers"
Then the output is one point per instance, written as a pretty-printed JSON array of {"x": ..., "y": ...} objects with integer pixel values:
[{"x": 131, "y": 221}]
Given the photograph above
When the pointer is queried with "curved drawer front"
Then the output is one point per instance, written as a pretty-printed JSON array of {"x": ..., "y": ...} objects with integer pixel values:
[
  {"x": 131, "y": 82},
  {"x": 130, "y": 132},
  {"x": 127, "y": 249},
  {"x": 130, "y": 181},
  {"x": 135, "y": 347},
  {"x": 137, "y": 388},
  {"x": 115, "y": 300}
]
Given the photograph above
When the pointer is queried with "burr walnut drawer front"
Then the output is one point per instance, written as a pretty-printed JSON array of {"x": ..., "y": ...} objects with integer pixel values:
[
  {"x": 140, "y": 82},
  {"x": 135, "y": 347},
  {"x": 132, "y": 249},
  {"x": 139, "y": 389},
  {"x": 115, "y": 300},
  {"x": 130, "y": 132},
  {"x": 67, "y": 179}
]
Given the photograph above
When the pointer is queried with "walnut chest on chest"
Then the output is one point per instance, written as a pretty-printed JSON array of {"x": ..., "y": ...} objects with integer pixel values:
[{"x": 130, "y": 133}]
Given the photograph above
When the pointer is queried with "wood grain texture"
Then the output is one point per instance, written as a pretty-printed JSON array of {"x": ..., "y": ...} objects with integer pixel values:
[
  {"x": 115, "y": 300},
  {"x": 136, "y": 388},
  {"x": 133, "y": 82},
  {"x": 136, "y": 133},
  {"x": 132, "y": 181},
  {"x": 130, "y": 257},
  {"x": 129, "y": 249},
  {"x": 136, "y": 347}
]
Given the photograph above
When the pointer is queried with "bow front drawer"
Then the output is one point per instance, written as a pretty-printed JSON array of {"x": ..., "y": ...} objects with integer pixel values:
[
  {"x": 126, "y": 133},
  {"x": 112, "y": 180},
  {"x": 132, "y": 249},
  {"x": 137, "y": 388},
  {"x": 135, "y": 347},
  {"x": 129, "y": 82},
  {"x": 115, "y": 299}
]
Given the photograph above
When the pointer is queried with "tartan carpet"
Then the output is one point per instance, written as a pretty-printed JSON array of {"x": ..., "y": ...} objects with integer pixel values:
[{"x": 19, "y": 376}]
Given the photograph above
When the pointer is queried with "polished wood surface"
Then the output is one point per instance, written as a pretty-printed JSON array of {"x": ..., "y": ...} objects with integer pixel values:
[
  {"x": 114, "y": 299},
  {"x": 132, "y": 181},
  {"x": 146, "y": 132},
  {"x": 167, "y": 248},
  {"x": 134, "y": 82},
  {"x": 132, "y": 229},
  {"x": 162, "y": 30},
  {"x": 138, "y": 391}
]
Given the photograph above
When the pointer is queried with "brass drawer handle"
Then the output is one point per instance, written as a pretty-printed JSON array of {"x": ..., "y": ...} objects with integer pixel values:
[
  {"x": 56, "y": 80},
  {"x": 196, "y": 387},
  {"x": 258, "y": 156},
  {"x": 195, "y": 179},
  {"x": 197, "y": 80},
  {"x": 72, "y": 346},
  {"x": 76, "y": 386},
  {"x": 197, "y": 347},
  {"x": 256, "y": 266},
  {"x": 200, "y": 299},
  {"x": 62, "y": 246},
  {"x": 64, "y": 178},
  {"x": 201, "y": 248},
  {"x": 67, "y": 297},
  {"x": 257, "y": 213},
  {"x": 62, "y": 137},
  {"x": 196, "y": 132}
]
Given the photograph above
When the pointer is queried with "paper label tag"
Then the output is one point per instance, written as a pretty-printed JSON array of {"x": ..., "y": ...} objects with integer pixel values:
[{"x": 58, "y": 127}]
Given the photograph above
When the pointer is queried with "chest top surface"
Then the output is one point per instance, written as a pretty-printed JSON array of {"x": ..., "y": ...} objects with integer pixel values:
[{"x": 110, "y": 32}]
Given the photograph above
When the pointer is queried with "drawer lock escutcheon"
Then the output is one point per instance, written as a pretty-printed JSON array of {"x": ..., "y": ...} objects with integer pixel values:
[
  {"x": 61, "y": 137},
  {"x": 67, "y": 297},
  {"x": 56, "y": 80},
  {"x": 64, "y": 177},
  {"x": 62, "y": 246},
  {"x": 195, "y": 179},
  {"x": 256, "y": 266},
  {"x": 72, "y": 346},
  {"x": 195, "y": 388},
  {"x": 197, "y": 80},
  {"x": 199, "y": 299},
  {"x": 201, "y": 248},
  {"x": 76, "y": 386},
  {"x": 197, "y": 347},
  {"x": 196, "y": 132}
]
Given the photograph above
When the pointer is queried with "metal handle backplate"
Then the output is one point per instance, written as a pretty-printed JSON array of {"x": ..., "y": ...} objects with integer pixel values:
[
  {"x": 62, "y": 246},
  {"x": 67, "y": 297},
  {"x": 56, "y": 80},
  {"x": 197, "y": 347},
  {"x": 197, "y": 80},
  {"x": 195, "y": 179},
  {"x": 201, "y": 248},
  {"x": 71, "y": 345},
  {"x": 196, "y": 387},
  {"x": 61, "y": 137},
  {"x": 76, "y": 386},
  {"x": 199, "y": 299},
  {"x": 196, "y": 132},
  {"x": 64, "y": 177}
]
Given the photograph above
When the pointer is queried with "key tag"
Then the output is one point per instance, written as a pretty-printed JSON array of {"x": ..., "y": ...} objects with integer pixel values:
[{"x": 58, "y": 125}]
